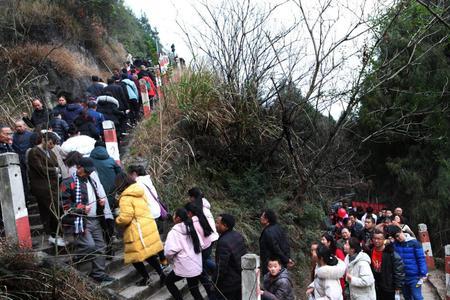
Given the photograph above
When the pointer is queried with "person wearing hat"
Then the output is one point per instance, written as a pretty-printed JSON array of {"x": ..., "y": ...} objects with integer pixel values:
[{"x": 81, "y": 203}]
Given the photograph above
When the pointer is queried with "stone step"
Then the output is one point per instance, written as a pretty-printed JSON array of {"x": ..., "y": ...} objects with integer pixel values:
[
  {"x": 33, "y": 208},
  {"x": 127, "y": 276},
  {"x": 37, "y": 230},
  {"x": 112, "y": 266},
  {"x": 164, "y": 294},
  {"x": 34, "y": 219},
  {"x": 134, "y": 292}
]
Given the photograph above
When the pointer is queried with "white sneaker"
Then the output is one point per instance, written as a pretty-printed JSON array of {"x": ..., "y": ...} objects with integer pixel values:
[
  {"x": 51, "y": 240},
  {"x": 59, "y": 241}
]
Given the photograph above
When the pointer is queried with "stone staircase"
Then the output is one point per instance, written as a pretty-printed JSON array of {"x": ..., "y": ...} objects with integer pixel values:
[{"x": 124, "y": 286}]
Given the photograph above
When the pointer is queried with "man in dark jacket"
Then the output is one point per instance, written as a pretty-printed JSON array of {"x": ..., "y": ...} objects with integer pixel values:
[
  {"x": 21, "y": 143},
  {"x": 273, "y": 241},
  {"x": 230, "y": 248},
  {"x": 73, "y": 111},
  {"x": 59, "y": 126},
  {"x": 369, "y": 227},
  {"x": 6, "y": 139},
  {"x": 411, "y": 252},
  {"x": 117, "y": 92},
  {"x": 387, "y": 267},
  {"x": 40, "y": 117},
  {"x": 95, "y": 89}
]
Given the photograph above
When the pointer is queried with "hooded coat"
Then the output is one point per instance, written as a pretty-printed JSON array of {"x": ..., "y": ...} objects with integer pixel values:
[
  {"x": 326, "y": 282},
  {"x": 279, "y": 287},
  {"x": 109, "y": 107},
  {"x": 179, "y": 249},
  {"x": 107, "y": 170},
  {"x": 141, "y": 235},
  {"x": 73, "y": 110},
  {"x": 362, "y": 285}
]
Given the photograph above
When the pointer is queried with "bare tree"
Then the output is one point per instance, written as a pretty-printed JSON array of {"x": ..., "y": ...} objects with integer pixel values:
[{"x": 326, "y": 54}]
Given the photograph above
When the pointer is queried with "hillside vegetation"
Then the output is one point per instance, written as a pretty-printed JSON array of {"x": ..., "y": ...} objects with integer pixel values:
[{"x": 48, "y": 46}]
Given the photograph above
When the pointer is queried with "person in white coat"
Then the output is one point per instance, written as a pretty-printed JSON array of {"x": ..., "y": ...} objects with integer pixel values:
[
  {"x": 359, "y": 274},
  {"x": 326, "y": 284}
]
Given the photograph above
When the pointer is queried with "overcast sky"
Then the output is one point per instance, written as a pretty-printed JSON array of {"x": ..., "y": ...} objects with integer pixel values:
[{"x": 164, "y": 15}]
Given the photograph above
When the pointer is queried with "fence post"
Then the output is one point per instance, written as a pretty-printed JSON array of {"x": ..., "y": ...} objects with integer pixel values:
[
  {"x": 109, "y": 132},
  {"x": 12, "y": 200},
  {"x": 447, "y": 271},
  {"x": 250, "y": 277},
  {"x": 426, "y": 245},
  {"x": 145, "y": 99}
]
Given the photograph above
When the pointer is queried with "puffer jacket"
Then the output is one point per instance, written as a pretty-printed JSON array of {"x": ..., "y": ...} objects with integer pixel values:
[
  {"x": 141, "y": 235},
  {"x": 73, "y": 110},
  {"x": 326, "y": 282},
  {"x": 109, "y": 107},
  {"x": 362, "y": 284},
  {"x": 411, "y": 252},
  {"x": 179, "y": 249},
  {"x": 107, "y": 170},
  {"x": 279, "y": 287}
]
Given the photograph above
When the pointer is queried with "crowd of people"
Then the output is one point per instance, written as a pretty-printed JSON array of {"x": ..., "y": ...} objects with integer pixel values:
[
  {"x": 367, "y": 256},
  {"x": 80, "y": 190}
]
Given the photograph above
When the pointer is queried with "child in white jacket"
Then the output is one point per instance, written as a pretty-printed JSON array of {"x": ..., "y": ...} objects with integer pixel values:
[{"x": 326, "y": 284}]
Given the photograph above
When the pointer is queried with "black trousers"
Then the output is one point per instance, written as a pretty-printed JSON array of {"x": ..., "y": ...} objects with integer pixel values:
[
  {"x": 235, "y": 295},
  {"x": 152, "y": 261},
  {"x": 383, "y": 295},
  {"x": 204, "y": 278},
  {"x": 175, "y": 292},
  {"x": 48, "y": 211}
]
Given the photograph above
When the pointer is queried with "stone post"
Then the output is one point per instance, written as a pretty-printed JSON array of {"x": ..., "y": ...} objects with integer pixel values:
[
  {"x": 426, "y": 245},
  {"x": 250, "y": 277},
  {"x": 12, "y": 201},
  {"x": 447, "y": 271},
  {"x": 109, "y": 132}
]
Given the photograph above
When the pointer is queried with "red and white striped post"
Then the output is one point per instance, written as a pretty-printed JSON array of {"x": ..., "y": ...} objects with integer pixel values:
[
  {"x": 158, "y": 84},
  {"x": 145, "y": 98},
  {"x": 109, "y": 132},
  {"x": 447, "y": 271},
  {"x": 426, "y": 245},
  {"x": 12, "y": 200}
]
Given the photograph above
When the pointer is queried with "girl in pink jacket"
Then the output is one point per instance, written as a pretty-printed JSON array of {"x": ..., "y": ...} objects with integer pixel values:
[{"x": 183, "y": 249}]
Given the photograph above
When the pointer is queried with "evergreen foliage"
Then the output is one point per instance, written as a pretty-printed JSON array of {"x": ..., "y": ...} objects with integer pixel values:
[{"x": 409, "y": 161}]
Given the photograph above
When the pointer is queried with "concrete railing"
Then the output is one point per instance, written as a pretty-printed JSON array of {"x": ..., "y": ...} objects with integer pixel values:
[{"x": 250, "y": 277}]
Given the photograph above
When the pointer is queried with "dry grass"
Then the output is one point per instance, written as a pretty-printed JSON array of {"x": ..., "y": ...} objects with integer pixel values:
[
  {"x": 43, "y": 14},
  {"x": 66, "y": 61},
  {"x": 23, "y": 276}
]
